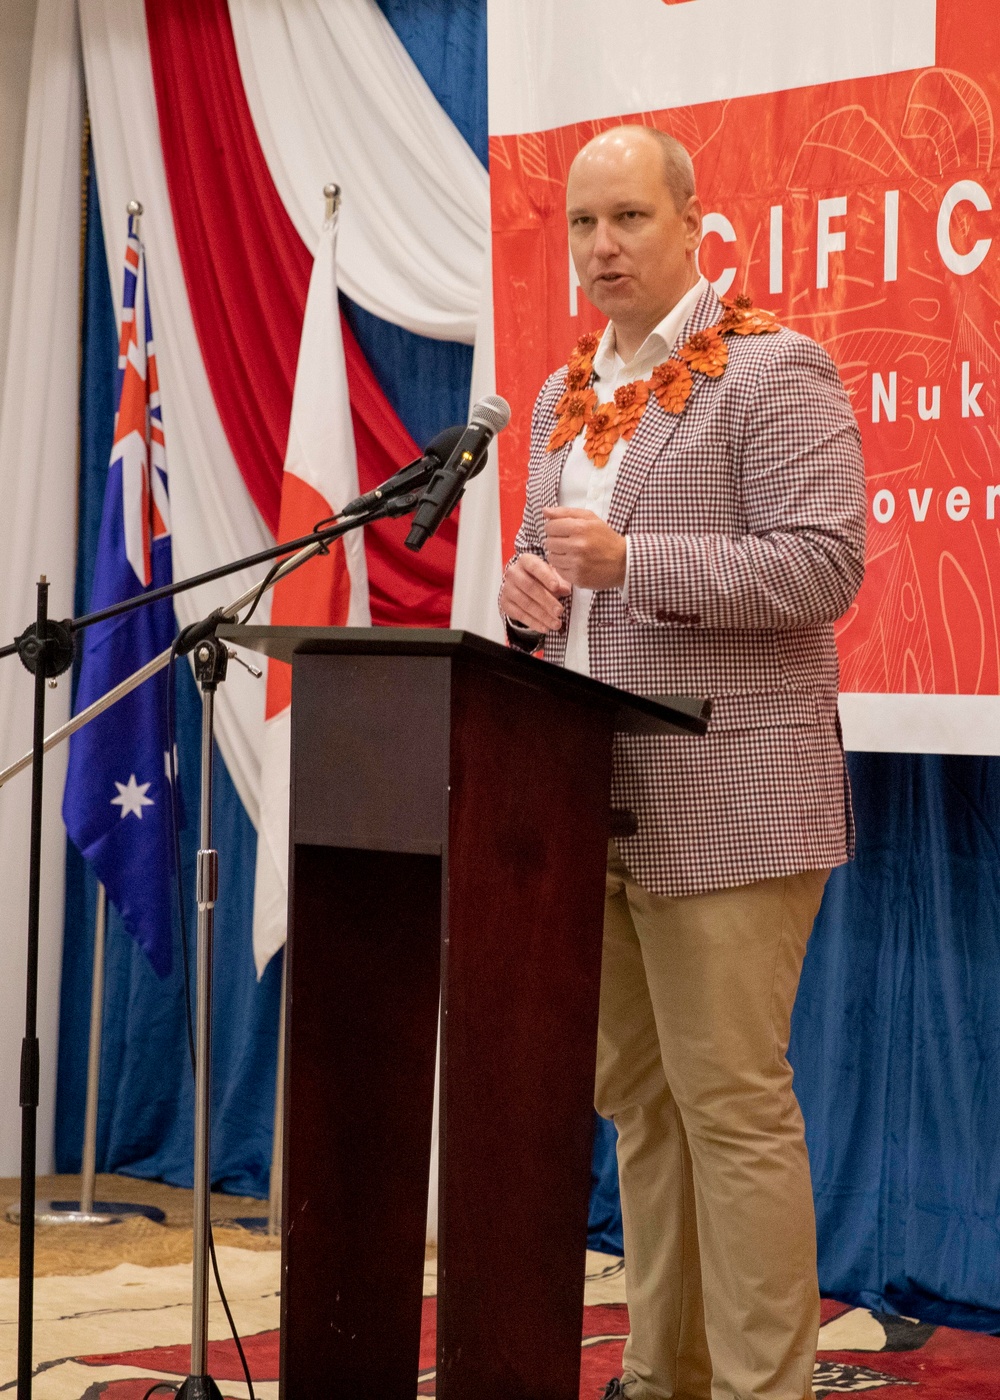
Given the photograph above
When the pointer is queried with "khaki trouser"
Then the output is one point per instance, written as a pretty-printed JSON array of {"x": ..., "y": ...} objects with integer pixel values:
[{"x": 720, "y": 1236}]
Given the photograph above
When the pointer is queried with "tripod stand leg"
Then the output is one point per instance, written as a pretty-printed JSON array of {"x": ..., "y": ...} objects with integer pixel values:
[
  {"x": 29, "y": 1046},
  {"x": 210, "y": 668}
]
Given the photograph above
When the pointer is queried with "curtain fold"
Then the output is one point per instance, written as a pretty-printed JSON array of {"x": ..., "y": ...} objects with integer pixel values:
[
  {"x": 328, "y": 82},
  {"x": 247, "y": 293},
  {"x": 37, "y": 525},
  {"x": 214, "y": 518},
  {"x": 896, "y": 1044}
]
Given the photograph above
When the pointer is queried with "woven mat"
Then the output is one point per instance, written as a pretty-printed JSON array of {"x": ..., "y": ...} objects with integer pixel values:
[{"x": 110, "y": 1334}]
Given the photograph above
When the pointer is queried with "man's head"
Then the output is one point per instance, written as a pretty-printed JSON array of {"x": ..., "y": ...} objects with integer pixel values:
[{"x": 634, "y": 225}]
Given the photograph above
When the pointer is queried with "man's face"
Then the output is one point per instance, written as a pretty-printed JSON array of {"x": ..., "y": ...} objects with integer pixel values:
[{"x": 632, "y": 249}]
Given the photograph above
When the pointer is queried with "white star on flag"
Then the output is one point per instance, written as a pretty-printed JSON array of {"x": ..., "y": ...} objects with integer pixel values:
[{"x": 132, "y": 797}]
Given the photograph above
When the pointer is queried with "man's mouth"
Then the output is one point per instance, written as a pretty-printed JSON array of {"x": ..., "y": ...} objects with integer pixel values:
[{"x": 613, "y": 278}]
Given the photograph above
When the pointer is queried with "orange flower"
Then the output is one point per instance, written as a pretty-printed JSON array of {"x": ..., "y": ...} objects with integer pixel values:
[
  {"x": 603, "y": 432},
  {"x": 671, "y": 382},
  {"x": 631, "y": 400},
  {"x": 572, "y": 411},
  {"x": 578, "y": 372},
  {"x": 706, "y": 352},
  {"x": 743, "y": 318},
  {"x": 756, "y": 322},
  {"x": 586, "y": 346}
]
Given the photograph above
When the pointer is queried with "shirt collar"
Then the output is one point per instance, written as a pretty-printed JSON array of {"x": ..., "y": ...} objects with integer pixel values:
[{"x": 657, "y": 345}]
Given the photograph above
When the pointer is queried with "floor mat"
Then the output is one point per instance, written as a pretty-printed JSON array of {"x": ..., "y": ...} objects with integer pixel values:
[{"x": 110, "y": 1336}]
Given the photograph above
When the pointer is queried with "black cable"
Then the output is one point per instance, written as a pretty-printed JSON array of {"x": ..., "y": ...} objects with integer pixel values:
[
  {"x": 229, "y": 1315},
  {"x": 262, "y": 590},
  {"x": 327, "y": 522},
  {"x": 186, "y": 961}
]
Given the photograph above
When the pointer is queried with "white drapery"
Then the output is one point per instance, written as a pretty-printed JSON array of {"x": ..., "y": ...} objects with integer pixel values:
[
  {"x": 478, "y": 561},
  {"x": 335, "y": 96},
  {"x": 38, "y": 474},
  {"x": 17, "y": 25},
  {"x": 328, "y": 83},
  {"x": 213, "y": 517}
]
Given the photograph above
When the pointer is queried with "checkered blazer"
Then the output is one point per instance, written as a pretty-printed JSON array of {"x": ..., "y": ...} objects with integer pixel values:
[{"x": 745, "y": 517}]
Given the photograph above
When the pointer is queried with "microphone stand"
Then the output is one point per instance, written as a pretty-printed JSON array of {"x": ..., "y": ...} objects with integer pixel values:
[{"x": 46, "y": 650}]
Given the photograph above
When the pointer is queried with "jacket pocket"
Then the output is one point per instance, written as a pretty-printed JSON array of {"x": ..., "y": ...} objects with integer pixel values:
[{"x": 765, "y": 709}]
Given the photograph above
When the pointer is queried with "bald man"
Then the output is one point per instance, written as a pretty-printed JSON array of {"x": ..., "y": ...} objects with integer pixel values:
[{"x": 706, "y": 550}]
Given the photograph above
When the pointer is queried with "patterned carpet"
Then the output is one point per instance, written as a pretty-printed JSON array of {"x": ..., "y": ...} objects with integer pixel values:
[{"x": 110, "y": 1335}]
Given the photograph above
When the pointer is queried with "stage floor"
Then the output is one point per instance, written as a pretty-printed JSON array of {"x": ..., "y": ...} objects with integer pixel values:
[{"x": 113, "y": 1315}]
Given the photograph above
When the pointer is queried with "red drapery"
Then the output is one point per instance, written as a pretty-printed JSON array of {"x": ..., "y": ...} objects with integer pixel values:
[{"x": 247, "y": 274}]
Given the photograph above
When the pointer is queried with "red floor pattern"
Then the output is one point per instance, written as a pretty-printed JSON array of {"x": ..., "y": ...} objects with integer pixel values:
[{"x": 917, "y": 1363}]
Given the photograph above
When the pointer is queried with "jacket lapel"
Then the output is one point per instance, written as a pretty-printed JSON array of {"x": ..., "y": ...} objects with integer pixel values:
[
  {"x": 656, "y": 427},
  {"x": 550, "y": 474}
]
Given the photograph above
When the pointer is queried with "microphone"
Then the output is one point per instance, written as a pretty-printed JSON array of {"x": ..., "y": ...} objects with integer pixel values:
[
  {"x": 489, "y": 417},
  {"x": 411, "y": 477}
]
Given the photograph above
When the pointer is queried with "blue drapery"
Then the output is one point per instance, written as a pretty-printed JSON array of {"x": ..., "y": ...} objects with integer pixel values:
[
  {"x": 896, "y": 1044},
  {"x": 896, "y": 1049},
  {"x": 896, "y": 1038}
]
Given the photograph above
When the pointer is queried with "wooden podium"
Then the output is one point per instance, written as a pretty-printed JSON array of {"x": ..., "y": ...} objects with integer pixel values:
[{"x": 450, "y": 813}]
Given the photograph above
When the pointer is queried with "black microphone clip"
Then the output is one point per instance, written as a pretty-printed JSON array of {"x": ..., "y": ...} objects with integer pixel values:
[
  {"x": 409, "y": 478},
  {"x": 444, "y": 490}
]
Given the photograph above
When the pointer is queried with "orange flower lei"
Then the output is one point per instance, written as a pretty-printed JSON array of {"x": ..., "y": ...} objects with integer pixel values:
[{"x": 705, "y": 352}]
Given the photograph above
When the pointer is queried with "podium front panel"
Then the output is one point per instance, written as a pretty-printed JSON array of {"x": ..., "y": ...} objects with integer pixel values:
[
  {"x": 372, "y": 759},
  {"x": 449, "y": 830}
]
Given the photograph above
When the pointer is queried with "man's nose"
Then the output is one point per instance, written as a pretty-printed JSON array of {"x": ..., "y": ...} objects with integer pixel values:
[{"x": 605, "y": 241}]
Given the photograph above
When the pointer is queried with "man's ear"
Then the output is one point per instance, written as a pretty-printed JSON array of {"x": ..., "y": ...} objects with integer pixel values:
[{"x": 692, "y": 216}]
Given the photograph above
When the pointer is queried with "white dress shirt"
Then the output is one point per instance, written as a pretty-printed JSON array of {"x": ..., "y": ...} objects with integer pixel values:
[{"x": 586, "y": 487}]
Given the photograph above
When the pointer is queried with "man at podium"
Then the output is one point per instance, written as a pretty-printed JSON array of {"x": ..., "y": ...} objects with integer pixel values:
[{"x": 695, "y": 523}]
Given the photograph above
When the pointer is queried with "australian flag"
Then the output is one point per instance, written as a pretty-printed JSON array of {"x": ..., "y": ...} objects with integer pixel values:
[{"x": 117, "y": 799}]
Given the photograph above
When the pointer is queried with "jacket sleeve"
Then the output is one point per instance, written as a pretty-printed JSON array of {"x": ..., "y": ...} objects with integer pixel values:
[
  {"x": 800, "y": 559},
  {"x": 529, "y": 539}
]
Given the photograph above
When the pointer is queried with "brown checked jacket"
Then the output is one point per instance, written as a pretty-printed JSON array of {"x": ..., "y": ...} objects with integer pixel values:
[{"x": 745, "y": 517}]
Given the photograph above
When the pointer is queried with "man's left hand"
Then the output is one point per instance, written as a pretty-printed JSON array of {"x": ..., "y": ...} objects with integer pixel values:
[{"x": 585, "y": 550}]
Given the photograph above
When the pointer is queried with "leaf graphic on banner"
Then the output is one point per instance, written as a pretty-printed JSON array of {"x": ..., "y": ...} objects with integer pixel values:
[
  {"x": 918, "y": 358},
  {"x": 532, "y": 154},
  {"x": 849, "y": 147},
  {"x": 694, "y": 127},
  {"x": 950, "y": 123},
  {"x": 964, "y": 625},
  {"x": 502, "y": 151},
  {"x": 890, "y": 651}
]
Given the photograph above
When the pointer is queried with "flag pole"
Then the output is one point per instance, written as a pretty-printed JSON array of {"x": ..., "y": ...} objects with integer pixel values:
[
  {"x": 88, "y": 1166},
  {"x": 86, "y": 1211}
]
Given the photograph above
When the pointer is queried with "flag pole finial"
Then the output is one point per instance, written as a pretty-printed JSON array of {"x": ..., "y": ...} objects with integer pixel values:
[{"x": 332, "y": 193}]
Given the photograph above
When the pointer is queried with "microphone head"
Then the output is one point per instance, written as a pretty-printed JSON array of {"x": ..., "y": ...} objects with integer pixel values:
[
  {"x": 443, "y": 444},
  {"x": 491, "y": 412}
]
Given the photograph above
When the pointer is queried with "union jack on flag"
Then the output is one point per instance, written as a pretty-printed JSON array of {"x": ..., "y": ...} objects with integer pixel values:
[
  {"x": 139, "y": 441},
  {"x": 117, "y": 799}
]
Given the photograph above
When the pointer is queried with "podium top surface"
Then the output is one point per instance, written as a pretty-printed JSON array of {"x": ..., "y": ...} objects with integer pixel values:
[{"x": 634, "y": 714}]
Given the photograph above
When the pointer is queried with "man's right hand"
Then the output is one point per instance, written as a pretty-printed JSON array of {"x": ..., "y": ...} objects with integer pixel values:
[{"x": 531, "y": 594}]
